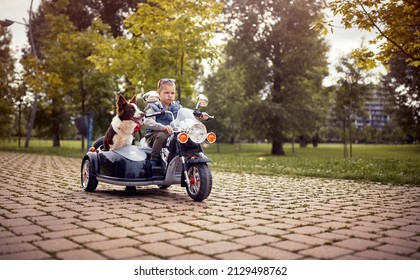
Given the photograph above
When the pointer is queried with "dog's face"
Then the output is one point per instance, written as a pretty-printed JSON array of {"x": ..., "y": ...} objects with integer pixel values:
[{"x": 128, "y": 110}]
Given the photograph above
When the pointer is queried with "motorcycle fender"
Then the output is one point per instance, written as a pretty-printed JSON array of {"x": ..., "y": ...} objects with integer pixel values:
[
  {"x": 94, "y": 162},
  {"x": 198, "y": 159}
]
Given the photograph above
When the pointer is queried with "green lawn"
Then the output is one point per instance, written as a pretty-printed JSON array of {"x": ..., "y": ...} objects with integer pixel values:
[
  {"x": 391, "y": 164},
  {"x": 394, "y": 164}
]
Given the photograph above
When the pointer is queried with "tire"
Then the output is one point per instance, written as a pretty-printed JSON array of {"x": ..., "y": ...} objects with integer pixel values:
[
  {"x": 99, "y": 142},
  {"x": 200, "y": 179},
  {"x": 89, "y": 182}
]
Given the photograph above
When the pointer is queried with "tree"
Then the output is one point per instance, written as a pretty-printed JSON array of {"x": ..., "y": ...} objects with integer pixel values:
[
  {"x": 71, "y": 82},
  {"x": 6, "y": 79},
  {"x": 284, "y": 63},
  {"x": 403, "y": 82},
  {"x": 166, "y": 38},
  {"x": 395, "y": 22},
  {"x": 351, "y": 93}
]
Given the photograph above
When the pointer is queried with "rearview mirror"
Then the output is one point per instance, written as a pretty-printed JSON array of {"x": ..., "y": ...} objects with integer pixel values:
[
  {"x": 151, "y": 96},
  {"x": 202, "y": 100}
]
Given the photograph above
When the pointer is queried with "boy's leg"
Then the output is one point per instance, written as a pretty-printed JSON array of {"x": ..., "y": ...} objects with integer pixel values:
[{"x": 157, "y": 140}]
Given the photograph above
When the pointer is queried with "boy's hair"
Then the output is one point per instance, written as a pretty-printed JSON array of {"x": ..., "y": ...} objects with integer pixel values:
[{"x": 165, "y": 81}]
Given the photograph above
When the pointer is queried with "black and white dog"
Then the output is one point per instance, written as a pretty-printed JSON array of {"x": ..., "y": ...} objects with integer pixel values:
[{"x": 124, "y": 124}]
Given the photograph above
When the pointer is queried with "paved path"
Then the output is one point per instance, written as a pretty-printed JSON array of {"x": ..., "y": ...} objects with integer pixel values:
[{"x": 44, "y": 214}]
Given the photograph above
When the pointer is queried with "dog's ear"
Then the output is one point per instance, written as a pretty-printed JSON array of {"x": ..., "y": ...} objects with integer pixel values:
[
  {"x": 120, "y": 102},
  {"x": 133, "y": 99}
]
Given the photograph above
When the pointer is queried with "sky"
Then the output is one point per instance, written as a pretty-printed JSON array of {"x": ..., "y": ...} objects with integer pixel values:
[{"x": 341, "y": 41}]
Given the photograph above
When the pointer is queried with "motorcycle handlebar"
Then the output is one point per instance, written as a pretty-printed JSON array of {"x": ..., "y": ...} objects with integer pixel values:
[{"x": 155, "y": 114}]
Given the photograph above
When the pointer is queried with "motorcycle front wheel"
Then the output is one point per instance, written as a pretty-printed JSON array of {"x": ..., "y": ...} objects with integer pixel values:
[{"x": 200, "y": 179}]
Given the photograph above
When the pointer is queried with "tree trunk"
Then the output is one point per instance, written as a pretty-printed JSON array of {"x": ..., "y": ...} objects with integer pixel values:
[
  {"x": 277, "y": 148},
  {"x": 56, "y": 134},
  {"x": 345, "y": 141}
]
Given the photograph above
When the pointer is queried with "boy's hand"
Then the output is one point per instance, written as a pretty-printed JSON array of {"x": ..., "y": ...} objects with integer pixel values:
[{"x": 168, "y": 129}]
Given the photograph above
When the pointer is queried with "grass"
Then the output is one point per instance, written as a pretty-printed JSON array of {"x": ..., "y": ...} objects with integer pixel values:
[{"x": 388, "y": 164}]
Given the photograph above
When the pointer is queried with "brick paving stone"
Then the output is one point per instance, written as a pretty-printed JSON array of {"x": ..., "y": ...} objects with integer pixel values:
[
  {"x": 325, "y": 252},
  {"x": 56, "y": 245},
  {"x": 187, "y": 242},
  {"x": 162, "y": 249},
  {"x": 223, "y": 227},
  {"x": 310, "y": 230},
  {"x": 271, "y": 253},
  {"x": 65, "y": 233},
  {"x": 213, "y": 248},
  {"x": 79, "y": 254},
  {"x": 268, "y": 230},
  {"x": 290, "y": 246},
  {"x": 239, "y": 232},
  {"x": 191, "y": 257},
  {"x": 400, "y": 242},
  {"x": 372, "y": 221},
  {"x": 305, "y": 239},
  {"x": 237, "y": 255},
  {"x": 332, "y": 237},
  {"x": 179, "y": 227},
  {"x": 62, "y": 227},
  {"x": 398, "y": 250},
  {"x": 16, "y": 248},
  {"x": 256, "y": 240},
  {"x": 111, "y": 244},
  {"x": 94, "y": 224},
  {"x": 116, "y": 232},
  {"x": 123, "y": 253},
  {"x": 357, "y": 244},
  {"x": 148, "y": 229},
  {"x": 400, "y": 233},
  {"x": 15, "y": 222},
  {"x": 160, "y": 236},
  {"x": 208, "y": 235},
  {"x": 28, "y": 229},
  {"x": 379, "y": 255},
  {"x": 28, "y": 255},
  {"x": 356, "y": 233},
  {"x": 88, "y": 238}
]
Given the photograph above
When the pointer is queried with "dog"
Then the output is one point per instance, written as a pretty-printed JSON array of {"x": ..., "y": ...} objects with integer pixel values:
[{"x": 129, "y": 119}]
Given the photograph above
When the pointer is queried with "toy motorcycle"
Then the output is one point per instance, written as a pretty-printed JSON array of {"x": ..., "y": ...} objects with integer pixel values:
[{"x": 183, "y": 159}]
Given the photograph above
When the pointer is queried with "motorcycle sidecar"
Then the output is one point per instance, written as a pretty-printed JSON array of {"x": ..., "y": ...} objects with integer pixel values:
[{"x": 127, "y": 166}]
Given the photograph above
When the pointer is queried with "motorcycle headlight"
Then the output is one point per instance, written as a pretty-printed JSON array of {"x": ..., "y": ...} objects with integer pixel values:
[{"x": 198, "y": 133}]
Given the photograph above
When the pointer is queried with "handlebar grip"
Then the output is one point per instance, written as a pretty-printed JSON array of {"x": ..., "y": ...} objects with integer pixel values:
[{"x": 155, "y": 114}]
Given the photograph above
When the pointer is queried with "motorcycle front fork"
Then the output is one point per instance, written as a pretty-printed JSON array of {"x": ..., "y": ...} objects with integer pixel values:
[{"x": 184, "y": 167}]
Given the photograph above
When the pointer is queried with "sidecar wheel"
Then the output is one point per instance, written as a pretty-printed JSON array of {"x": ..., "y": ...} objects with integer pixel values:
[
  {"x": 89, "y": 182},
  {"x": 201, "y": 181}
]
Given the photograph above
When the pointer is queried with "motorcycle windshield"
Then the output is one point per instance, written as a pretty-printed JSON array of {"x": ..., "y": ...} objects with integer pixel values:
[{"x": 184, "y": 120}]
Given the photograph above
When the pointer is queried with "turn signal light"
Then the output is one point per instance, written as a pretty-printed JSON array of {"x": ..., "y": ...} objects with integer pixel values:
[
  {"x": 183, "y": 137},
  {"x": 92, "y": 149},
  {"x": 211, "y": 137}
]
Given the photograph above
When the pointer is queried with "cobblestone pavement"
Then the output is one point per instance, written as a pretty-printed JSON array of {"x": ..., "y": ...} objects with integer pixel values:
[{"x": 44, "y": 214}]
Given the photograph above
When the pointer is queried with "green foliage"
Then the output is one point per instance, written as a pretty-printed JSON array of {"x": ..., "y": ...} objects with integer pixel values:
[
  {"x": 167, "y": 39},
  {"x": 6, "y": 78},
  {"x": 283, "y": 62},
  {"x": 395, "y": 22}
]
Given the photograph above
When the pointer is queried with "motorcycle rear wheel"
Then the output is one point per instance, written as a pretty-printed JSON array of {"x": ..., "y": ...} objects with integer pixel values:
[{"x": 200, "y": 179}]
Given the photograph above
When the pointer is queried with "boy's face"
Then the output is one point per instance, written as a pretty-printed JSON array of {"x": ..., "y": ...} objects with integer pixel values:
[{"x": 167, "y": 93}]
